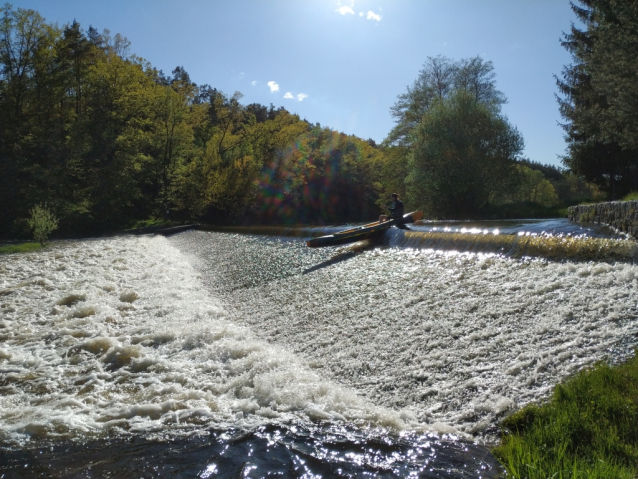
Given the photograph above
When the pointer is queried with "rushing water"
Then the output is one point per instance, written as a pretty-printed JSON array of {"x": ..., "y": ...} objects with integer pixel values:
[{"x": 221, "y": 354}]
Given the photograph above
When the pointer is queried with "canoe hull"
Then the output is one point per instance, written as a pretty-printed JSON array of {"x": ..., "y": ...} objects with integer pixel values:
[{"x": 362, "y": 232}]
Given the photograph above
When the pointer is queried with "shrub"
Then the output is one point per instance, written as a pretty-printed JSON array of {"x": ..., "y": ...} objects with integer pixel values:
[{"x": 42, "y": 222}]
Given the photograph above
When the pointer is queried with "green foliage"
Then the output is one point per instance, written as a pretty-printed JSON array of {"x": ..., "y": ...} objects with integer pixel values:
[
  {"x": 550, "y": 172},
  {"x": 570, "y": 188},
  {"x": 532, "y": 186},
  {"x": 20, "y": 248},
  {"x": 589, "y": 428},
  {"x": 42, "y": 222},
  {"x": 151, "y": 222},
  {"x": 392, "y": 171},
  {"x": 632, "y": 196},
  {"x": 439, "y": 79},
  {"x": 454, "y": 147},
  {"x": 109, "y": 140},
  {"x": 574, "y": 189},
  {"x": 325, "y": 176},
  {"x": 464, "y": 153},
  {"x": 599, "y": 89}
]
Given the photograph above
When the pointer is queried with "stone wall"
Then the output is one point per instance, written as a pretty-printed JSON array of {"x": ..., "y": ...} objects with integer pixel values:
[{"x": 622, "y": 215}]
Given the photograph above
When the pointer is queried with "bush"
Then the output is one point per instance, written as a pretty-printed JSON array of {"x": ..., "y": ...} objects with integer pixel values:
[
  {"x": 42, "y": 222},
  {"x": 633, "y": 195}
]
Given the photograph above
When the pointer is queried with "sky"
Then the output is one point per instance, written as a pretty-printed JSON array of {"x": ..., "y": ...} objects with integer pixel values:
[{"x": 342, "y": 63}]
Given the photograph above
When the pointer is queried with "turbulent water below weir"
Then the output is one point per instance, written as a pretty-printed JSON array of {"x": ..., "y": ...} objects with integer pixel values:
[{"x": 218, "y": 354}]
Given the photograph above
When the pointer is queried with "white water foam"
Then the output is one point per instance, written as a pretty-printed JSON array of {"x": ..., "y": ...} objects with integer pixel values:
[
  {"x": 460, "y": 339},
  {"x": 119, "y": 336}
]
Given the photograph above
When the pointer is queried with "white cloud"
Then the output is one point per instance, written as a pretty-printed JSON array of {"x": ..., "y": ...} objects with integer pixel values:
[
  {"x": 361, "y": 14},
  {"x": 344, "y": 10},
  {"x": 288, "y": 95},
  {"x": 373, "y": 16},
  {"x": 301, "y": 96},
  {"x": 253, "y": 83},
  {"x": 273, "y": 86}
]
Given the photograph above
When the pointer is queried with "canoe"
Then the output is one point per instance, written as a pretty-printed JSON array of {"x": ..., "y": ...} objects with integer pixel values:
[{"x": 362, "y": 232}]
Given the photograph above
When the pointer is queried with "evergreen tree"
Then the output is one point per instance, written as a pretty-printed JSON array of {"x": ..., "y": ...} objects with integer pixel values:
[{"x": 600, "y": 94}]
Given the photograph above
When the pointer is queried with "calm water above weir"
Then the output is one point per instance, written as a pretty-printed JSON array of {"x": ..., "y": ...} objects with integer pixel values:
[
  {"x": 221, "y": 354},
  {"x": 555, "y": 226}
]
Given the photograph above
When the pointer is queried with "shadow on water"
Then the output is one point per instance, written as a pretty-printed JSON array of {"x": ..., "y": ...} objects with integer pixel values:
[
  {"x": 336, "y": 260},
  {"x": 354, "y": 250},
  {"x": 291, "y": 452}
]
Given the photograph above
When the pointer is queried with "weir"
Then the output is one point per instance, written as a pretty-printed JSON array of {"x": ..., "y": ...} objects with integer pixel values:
[
  {"x": 395, "y": 357},
  {"x": 575, "y": 244},
  {"x": 521, "y": 245}
]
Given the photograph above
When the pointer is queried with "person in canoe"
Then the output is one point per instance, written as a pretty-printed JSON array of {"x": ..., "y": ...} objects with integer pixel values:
[{"x": 396, "y": 209}]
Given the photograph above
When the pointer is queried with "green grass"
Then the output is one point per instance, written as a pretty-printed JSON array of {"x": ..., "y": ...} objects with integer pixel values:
[
  {"x": 20, "y": 248},
  {"x": 588, "y": 429},
  {"x": 633, "y": 195}
]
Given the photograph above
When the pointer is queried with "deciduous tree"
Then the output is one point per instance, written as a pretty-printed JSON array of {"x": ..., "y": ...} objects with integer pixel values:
[
  {"x": 439, "y": 79},
  {"x": 462, "y": 154}
]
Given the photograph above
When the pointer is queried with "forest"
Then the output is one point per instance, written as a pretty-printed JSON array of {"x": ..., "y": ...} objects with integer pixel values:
[{"x": 107, "y": 142}]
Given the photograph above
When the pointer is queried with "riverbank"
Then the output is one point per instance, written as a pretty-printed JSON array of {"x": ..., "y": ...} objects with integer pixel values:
[{"x": 588, "y": 428}]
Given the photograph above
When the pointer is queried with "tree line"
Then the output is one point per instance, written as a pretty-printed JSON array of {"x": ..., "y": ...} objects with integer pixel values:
[{"x": 107, "y": 140}]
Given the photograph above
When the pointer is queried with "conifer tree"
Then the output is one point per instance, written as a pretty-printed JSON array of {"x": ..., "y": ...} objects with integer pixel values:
[{"x": 600, "y": 94}]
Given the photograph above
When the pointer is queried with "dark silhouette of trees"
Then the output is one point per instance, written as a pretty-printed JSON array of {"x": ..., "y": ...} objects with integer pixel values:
[{"x": 600, "y": 95}]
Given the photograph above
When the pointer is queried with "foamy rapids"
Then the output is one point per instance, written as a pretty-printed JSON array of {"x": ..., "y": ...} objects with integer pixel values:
[
  {"x": 124, "y": 336},
  {"x": 459, "y": 339},
  {"x": 118, "y": 336}
]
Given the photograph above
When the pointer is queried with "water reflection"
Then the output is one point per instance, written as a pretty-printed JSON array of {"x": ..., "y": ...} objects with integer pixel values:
[{"x": 270, "y": 451}]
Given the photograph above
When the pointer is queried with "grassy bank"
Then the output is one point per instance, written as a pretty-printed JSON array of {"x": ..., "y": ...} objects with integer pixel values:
[
  {"x": 588, "y": 429},
  {"x": 20, "y": 248}
]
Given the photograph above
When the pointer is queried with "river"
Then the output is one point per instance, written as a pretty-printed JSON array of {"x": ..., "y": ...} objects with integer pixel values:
[{"x": 228, "y": 354}]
